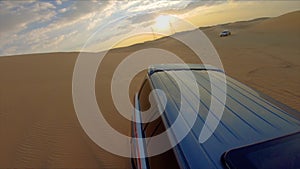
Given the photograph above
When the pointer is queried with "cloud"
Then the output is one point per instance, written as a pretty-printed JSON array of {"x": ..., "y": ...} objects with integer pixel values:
[
  {"x": 58, "y": 2},
  {"x": 30, "y": 26},
  {"x": 139, "y": 18},
  {"x": 62, "y": 10},
  {"x": 149, "y": 6},
  {"x": 40, "y": 6},
  {"x": 14, "y": 17}
]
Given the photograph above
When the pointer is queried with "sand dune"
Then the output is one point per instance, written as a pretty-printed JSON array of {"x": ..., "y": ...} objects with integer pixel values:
[
  {"x": 38, "y": 125},
  {"x": 282, "y": 24}
]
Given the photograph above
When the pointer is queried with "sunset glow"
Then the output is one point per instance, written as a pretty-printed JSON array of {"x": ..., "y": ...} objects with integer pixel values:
[
  {"x": 163, "y": 23},
  {"x": 38, "y": 27}
]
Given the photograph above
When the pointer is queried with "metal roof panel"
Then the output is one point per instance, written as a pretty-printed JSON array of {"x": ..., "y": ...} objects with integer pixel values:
[{"x": 247, "y": 117}]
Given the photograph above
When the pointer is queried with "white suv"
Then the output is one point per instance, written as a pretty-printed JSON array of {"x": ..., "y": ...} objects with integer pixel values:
[{"x": 225, "y": 33}]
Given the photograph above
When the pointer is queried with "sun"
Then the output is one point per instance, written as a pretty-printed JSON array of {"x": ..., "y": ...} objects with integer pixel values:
[{"x": 162, "y": 22}]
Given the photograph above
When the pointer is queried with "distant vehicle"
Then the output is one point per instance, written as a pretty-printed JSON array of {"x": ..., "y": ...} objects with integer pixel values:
[
  {"x": 225, "y": 33},
  {"x": 255, "y": 131}
]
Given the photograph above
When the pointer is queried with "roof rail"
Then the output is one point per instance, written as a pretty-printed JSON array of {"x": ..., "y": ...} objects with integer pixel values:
[{"x": 175, "y": 67}]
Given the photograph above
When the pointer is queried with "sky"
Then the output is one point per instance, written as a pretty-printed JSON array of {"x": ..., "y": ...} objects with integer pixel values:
[{"x": 62, "y": 25}]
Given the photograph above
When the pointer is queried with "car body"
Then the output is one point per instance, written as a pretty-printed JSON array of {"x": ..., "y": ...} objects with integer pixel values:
[
  {"x": 225, "y": 33},
  {"x": 249, "y": 117}
]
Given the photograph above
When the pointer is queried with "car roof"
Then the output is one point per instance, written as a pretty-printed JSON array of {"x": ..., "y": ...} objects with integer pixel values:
[{"x": 247, "y": 118}]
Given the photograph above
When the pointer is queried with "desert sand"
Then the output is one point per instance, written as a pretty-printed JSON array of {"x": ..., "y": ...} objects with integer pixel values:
[{"x": 38, "y": 124}]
